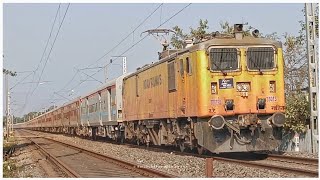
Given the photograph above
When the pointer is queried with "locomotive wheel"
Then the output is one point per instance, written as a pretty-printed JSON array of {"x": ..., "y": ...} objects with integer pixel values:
[
  {"x": 138, "y": 142},
  {"x": 182, "y": 146},
  {"x": 201, "y": 150}
]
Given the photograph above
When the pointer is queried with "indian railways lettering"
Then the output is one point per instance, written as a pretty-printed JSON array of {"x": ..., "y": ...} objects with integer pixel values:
[{"x": 152, "y": 82}]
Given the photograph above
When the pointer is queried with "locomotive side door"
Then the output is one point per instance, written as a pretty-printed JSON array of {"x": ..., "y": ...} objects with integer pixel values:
[{"x": 182, "y": 90}]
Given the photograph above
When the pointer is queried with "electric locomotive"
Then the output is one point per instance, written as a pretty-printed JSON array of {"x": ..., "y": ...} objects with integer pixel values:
[{"x": 225, "y": 94}]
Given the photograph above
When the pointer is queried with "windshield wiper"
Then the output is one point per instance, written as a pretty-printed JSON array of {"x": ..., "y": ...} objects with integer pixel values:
[
  {"x": 256, "y": 66},
  {"x": 218, "y": 67}
]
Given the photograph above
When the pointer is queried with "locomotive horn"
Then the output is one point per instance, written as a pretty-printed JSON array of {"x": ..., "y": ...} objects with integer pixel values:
[{"x": 255, "y": 33}]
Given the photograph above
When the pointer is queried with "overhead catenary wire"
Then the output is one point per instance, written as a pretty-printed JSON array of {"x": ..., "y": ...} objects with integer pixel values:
[
  {"x": 49, "y": 51},
  {"x": 52, "y": 47},
  {"x": 41, "y": 59},
  {"x": 116, "y": 46},
  {"x": 136, "y": 43},
  {"x": 22, "y": 80},
  {"x": 47, "y": 43},
  {"x": 127, "y": 36},
  {"x": 125, "y": 50}
]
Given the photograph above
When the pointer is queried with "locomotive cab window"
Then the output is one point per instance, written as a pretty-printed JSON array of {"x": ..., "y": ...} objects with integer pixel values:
[
  {"x": 223, "y": 59},
  {"x": 188, "y": 67},
  {"x": 260, "y": 58},
  {"x": 171, "y": 77}
]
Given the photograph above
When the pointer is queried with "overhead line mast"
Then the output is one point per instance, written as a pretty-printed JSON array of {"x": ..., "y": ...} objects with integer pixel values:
[{"x": 310, "y": 10}]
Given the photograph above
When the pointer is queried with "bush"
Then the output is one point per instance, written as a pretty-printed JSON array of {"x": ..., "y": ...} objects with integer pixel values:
[{"x": 297, "y": 112}]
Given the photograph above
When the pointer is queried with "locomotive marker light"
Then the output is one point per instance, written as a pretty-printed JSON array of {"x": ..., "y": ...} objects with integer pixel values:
[
  {"x": 217, "y": 122},
  {"x": 272, "y": 86},
  {"x": 213, "y": 88}
]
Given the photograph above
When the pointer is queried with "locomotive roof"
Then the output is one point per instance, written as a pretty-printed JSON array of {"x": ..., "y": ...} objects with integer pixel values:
[{"x": 221, "y": 41}]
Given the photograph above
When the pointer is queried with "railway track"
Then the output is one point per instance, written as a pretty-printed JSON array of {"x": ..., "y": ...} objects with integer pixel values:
[
  {"x": 80, "y": 162},
  {"x": 293, "y": 159},
  {"x": 297, "y": 165},
  {"x": 309, "y": 170}
]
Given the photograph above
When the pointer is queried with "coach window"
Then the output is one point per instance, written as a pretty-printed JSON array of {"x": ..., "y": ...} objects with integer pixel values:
[
  {"x": 189, "y": 66},
  {"x": 171, "y": 76}
]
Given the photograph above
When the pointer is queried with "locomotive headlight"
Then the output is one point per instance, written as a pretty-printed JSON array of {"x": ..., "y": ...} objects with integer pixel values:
[
  {"x": 261, "y": 104},
  {"x": 229, "y": 104},
  {"x": 278, "y": 119},
  {"x": 243, "y": 87}
]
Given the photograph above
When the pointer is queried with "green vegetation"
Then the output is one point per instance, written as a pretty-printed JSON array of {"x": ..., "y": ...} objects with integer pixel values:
[
  {"x": 9, "y": 169},
  {"x": 9, "y": 166}
]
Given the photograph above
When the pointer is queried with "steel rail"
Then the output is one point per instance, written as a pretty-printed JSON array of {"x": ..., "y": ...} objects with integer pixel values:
[
  {"x": 56, "y": 161},
  {"x": 147, "y": 172},
  {"x": 125, "y": 164},
  {"x": 270, "y": 166},
  {"x": 302, "y": 160},
  {"x": 247, "y": 163}
]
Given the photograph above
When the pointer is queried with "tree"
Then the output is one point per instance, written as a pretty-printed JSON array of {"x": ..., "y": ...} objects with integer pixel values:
[
  {"x": 200, "y": 32},
  {"x": 296, "y": 63},
  {"x": 297, "y": 112},
  {"x": 177, "y": 40},
  {"x": 296, "y": 77}
]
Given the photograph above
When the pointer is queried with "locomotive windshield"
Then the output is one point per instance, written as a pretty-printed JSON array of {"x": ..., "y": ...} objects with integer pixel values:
[
  {"x": 260, "y": 58},
  {"x": 223, "y": 59}
]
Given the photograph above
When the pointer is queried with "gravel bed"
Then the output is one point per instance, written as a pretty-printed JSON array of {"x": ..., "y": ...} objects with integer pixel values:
[
  {"x": 25, "y": 162},
  {"x": 183, "y": 166},
  {"x": 232, "y": 170}
]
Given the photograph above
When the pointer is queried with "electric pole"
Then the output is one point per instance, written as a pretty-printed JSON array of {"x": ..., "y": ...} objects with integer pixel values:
[
  {"x": 310, "y": 10},
  {"x": 124, "y": 66},
  {"x": 8, "y": 73}
]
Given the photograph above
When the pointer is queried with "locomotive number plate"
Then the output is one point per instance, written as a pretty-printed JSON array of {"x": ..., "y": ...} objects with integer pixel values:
[
  {"x": 271, "y": 98},
  {"x": 226, "y": 83},
  {"x": 215, "y": 102}
]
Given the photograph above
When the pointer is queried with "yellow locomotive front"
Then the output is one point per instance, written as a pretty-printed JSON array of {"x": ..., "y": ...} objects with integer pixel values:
[{"x": 241, "y": 104}]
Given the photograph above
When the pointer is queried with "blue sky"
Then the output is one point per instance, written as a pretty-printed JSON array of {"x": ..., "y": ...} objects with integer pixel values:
[{"x": 91, "y": 30}]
